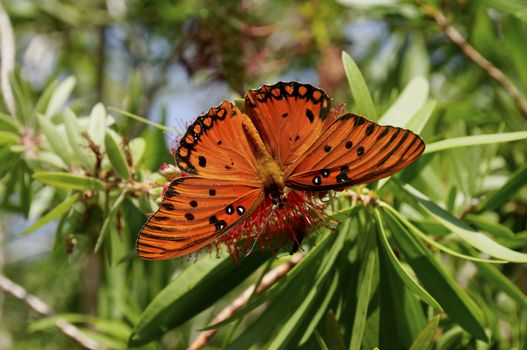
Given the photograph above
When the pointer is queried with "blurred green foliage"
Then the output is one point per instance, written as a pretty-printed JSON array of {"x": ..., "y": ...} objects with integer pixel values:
[{"x": 437, "y": 263}]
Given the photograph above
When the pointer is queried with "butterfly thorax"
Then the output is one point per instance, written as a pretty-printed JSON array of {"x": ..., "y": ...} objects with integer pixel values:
[{"x": 268, "y": 169}]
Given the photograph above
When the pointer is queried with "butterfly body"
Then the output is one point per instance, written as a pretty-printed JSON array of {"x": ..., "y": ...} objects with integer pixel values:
[{"x": 238, "y": 162}]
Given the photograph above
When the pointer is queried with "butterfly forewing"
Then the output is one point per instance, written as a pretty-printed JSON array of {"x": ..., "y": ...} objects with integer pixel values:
[
  {"x": 354, "y": 150},
  {"x": 216, "y": 146},
  {"x": 289, "y": 118},
  {"x": 194, "y": 212}
]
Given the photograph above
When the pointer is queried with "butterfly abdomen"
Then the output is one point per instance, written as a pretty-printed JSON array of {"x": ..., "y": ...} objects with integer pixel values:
[{"x": 268, "y": 169}]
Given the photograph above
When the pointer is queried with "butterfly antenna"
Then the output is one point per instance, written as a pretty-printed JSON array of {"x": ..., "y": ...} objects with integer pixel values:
[{"x": 262, "y": 231}]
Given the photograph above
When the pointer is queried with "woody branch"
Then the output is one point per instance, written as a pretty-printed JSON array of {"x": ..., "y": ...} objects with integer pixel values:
[
  {"x": 475, "y": 56},
  {"x": 40, "y": 307}
]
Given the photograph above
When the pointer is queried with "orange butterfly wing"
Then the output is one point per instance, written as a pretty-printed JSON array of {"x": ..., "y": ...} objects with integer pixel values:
[
  {"x": 289, "y": 117},
  {"x": 194, "y": 212},
  {"x": 216, "y": 146},
  {"x": 223, "y": 190},
  {"x": 354, "y": 150}
]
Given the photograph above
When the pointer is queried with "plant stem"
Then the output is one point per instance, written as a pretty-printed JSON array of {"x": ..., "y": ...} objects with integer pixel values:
[
  {"x": 36, "y": 304},
  {"x": 475, "y": 56}
]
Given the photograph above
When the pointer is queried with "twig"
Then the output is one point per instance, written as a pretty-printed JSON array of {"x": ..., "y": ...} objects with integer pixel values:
[
  {"x": 475, "y": 56},
  {"x": 267, "y": 281},
  {"x": 7, "y": 59},
  {"x": 40, "y": 307}
]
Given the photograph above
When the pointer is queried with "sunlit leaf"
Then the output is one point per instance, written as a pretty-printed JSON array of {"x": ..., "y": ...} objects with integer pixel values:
[
  {"x": 475, "y": 141},
  {"x": 69, "y": 181},
  {"x": 54, "y": 213},
  {"x": 496, "y": 198},
  {"x": 195, "y": 289},
  {"x": 60, "y": 96},
  {"x": 55, "y": 139},
  {"x": 364, "y": 293},
  {"x": 116, "y": 156},
  {"x": 408, "y": 280},
  {"x": 456, "y": 303},
  {"x": 411, "y": 100},
  {"x": 363, "y": 103},
  {"x": 465, "y": 232},
  {"x": 109, "y": 218}
]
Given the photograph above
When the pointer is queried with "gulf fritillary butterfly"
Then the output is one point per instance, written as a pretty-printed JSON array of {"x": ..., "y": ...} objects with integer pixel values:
[{"x": 286, "y": 139}]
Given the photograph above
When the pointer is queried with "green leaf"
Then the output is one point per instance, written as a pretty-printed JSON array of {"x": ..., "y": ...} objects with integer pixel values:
[
  {"x": 495, "y": 229},
  {"x": 55, "y": 139},
  {"x": 54, "y": 213},
  {"x": 60, "y": 96},
  {"x": 366, "y": 278},
  {"x": 496, "y": 198},
  {"x": 417, "y": 232},
  {"x": 411, "y": 100},
  {"x": 97, "y": 125},
  {"x": 8, "y": 123},
  {"x": 465, "y": 232},
  {"x": 286, "y": 295},
  {"x": 359, "y": 90},
  {"x": 137, "y": 149},
  {"x": 116, "y": 156},
  {"x": 456, "y": 303},
  {"x": 195, "y": 289},
  {"x": 407, "y": 279},
  {"x": 332, "y": 330},
  {"x": 78, "y": 143},
  {"x": 475, "y": 140},
  {"x": 425, "y": 339},
  {"x": 108, "y": 220},
  {"x": 497, "y": 279},
  {"x": 313, "y": 306},
  {"x": 8, "y": 138},
  {"x": 69, "y": 181},
  {"x": 144, "y": 120},
  {"x": 419, "y": 120},
  {"x": 45, "y": 96}
]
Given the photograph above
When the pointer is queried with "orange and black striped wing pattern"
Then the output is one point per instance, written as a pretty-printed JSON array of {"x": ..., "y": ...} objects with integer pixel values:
[
  {"x": 289, "y": 117},
  {"x": 354, "y": 150},
  {"x": 194, "y": 212},
  {"x": 216, "y": 146}
]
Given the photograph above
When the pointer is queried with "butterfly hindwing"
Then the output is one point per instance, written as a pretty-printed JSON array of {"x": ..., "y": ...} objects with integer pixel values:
[
  {"x": 194, "y": 212},
  {"x": 216, "y": 146},
  {"x": 289, "y": 118},
  {"x": 354, "y": 150}
]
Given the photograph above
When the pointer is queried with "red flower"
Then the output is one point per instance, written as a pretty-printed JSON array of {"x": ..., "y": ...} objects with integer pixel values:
[{"x": 272, "y": 227}]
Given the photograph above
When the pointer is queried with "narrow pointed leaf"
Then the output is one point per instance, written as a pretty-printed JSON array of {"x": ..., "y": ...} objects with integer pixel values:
[
  {"x": 9, "y": 123},
  {"x": 54, "y": 214},
  {"x": 409, "y": 102},
  {"x": 465, "y": 232},
  {"x": 456, "y": 303},
  {"x": 69, "y": 181},
  {"x": 475, "y": 140},
  {"x": 97, "y": 125},
  {"x": 364, "y": 294},
  {"x": 83, "y": 155},
  {"x": 60, "y": 96},
  {"x": 55, "y": 139},
  {"x": 116, "y": 156},
  {"x": 496, "y": 198},
  {"x": 409, "y": 282},
  {"x": 8, "y": 138},
  {"x": 425, "y": 339},
  {"x": 195, "y": 289},
  {"x": 109, "y": 219},
  {"x": 359, "y": 90}
]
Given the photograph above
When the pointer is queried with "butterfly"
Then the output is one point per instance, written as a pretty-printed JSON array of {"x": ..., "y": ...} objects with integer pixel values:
[{"x": 286, "y": 139}]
